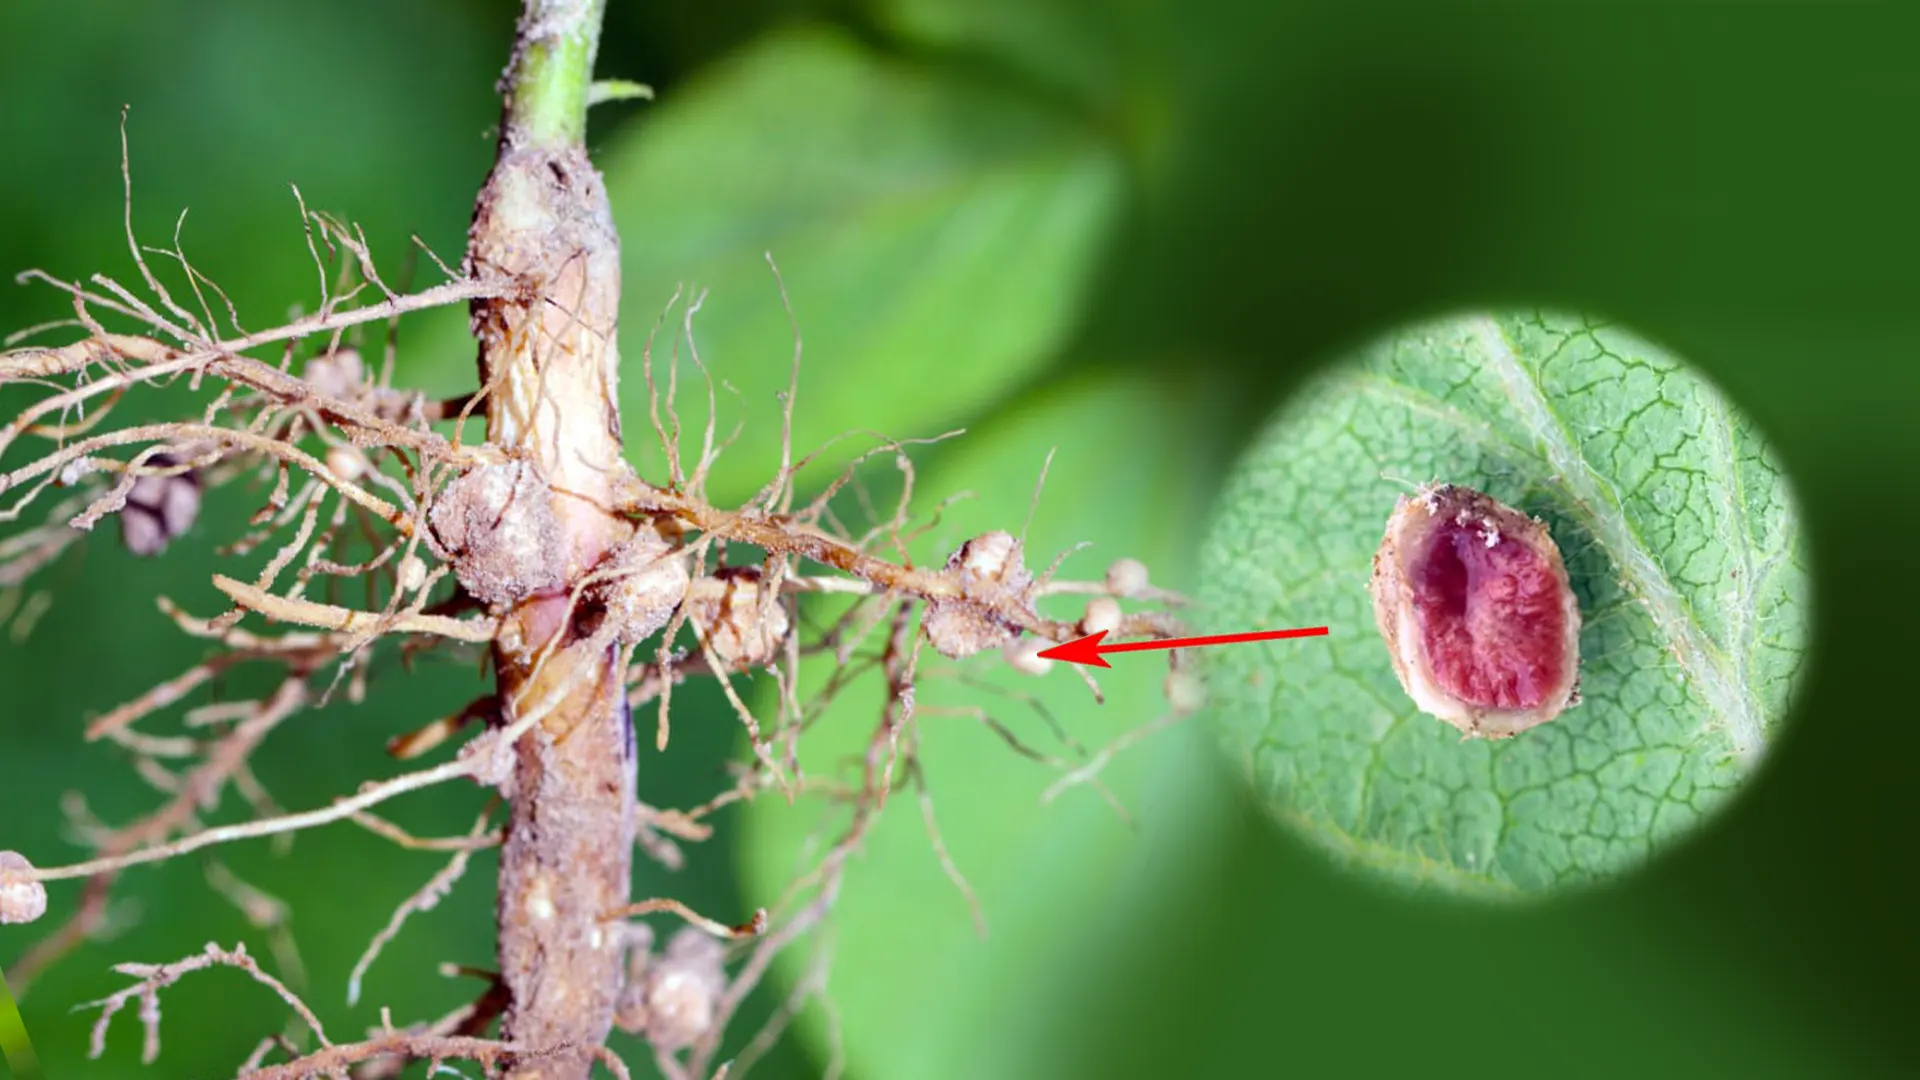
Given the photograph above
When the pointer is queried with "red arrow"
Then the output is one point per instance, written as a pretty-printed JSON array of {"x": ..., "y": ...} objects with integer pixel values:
[{"x": 1087, "y": 650}]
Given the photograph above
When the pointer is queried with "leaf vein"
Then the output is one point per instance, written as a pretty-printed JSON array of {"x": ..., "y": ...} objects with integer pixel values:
[{"x": 1609, "y": 525}]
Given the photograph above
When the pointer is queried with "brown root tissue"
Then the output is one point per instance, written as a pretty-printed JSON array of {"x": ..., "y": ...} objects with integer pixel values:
[
  {"x": 1479, "y": 618},
  {"x": 522, "y": 535}
]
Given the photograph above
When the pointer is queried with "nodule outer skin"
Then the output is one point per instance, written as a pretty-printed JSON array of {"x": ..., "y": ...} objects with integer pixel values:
[{"x": 1457, "y": 566}]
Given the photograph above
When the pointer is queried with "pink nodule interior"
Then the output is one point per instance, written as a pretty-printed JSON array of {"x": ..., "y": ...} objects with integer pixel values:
[{"x": 1491, "y": 618}]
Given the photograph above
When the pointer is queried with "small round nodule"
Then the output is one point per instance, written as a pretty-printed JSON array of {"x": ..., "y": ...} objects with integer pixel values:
[
  {"x": 993, "y": 556},
  {"x": 20, "y": 901},
  {"x": 410, "y": 574},
  {"x": 337, "y": 374},
  {"x": 742, "y": 620},
  {"x": 1024, "y": 655},
  {"x": 1473, "y": 601},
  {"x": 683, "y": 988},
  {"x": 159, "y": 507},
  {"x": 649, "y": 582},
  {"x": 1184, "y": 691},
  {"x": 1102, "y": 617},
  {"x": 346, "y": 462},
  {"x": 498, "y": 524},
  {"x": 1127, "y": 577}
]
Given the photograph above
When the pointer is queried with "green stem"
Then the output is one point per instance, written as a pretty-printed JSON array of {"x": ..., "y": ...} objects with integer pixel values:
[{"x": 548, "y": 81}]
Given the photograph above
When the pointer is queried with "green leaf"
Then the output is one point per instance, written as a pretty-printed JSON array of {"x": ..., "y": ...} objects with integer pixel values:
[
  {"x": 1682, "y": 544},
  {"x": 917, "y": 992},
  {"x": 1081, "y": 46},
  {"x": 936, "y": 235}
]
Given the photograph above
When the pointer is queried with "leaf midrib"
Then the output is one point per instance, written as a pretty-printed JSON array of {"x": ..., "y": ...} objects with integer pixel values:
[{"x": 1595, "y": 499}]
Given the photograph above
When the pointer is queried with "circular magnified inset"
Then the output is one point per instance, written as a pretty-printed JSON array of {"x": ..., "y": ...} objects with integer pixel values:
[{"x": 1567, "y": 597}]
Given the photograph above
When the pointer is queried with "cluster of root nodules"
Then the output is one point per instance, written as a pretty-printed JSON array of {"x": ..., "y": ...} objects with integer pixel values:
[{"x": 384, "y": 526}]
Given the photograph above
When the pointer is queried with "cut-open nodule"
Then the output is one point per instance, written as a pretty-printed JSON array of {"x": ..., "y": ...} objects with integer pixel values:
[{"x": 1477, "y": 612}]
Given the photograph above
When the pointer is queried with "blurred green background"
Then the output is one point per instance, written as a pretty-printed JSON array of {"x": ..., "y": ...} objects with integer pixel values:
[{"x": 1028, "y": 216}]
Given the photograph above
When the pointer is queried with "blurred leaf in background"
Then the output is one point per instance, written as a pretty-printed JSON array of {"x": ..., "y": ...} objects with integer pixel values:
[{"x": 936, "y": 234}]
